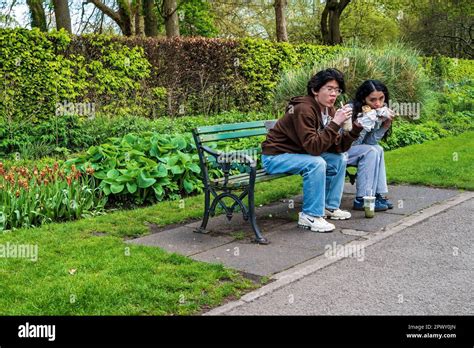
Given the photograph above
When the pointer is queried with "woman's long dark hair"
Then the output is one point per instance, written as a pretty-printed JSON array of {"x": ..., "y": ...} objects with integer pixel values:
[{"x": 363, "y": 92}]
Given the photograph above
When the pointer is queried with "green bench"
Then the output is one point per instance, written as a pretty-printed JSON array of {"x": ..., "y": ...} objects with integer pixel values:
[{"x": 220, "y": 188}]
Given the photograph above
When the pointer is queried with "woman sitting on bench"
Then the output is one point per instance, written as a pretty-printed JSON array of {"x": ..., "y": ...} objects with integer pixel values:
[{"x": 370, "y": 108}]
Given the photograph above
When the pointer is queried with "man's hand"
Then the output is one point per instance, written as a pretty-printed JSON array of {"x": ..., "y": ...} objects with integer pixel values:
[{"x": 342, "y": 114}]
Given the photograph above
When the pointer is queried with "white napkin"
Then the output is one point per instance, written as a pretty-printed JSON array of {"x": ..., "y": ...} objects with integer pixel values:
[
  {"x": 382, "y": 113},
  {"x": 367, "y": 119}
]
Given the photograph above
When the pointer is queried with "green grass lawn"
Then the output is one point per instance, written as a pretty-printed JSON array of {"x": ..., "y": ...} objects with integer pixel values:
[
  {"x": 115, "y": 278},
  {"x": 448, "y": 162},
  {"x": 85, "y": 268}
]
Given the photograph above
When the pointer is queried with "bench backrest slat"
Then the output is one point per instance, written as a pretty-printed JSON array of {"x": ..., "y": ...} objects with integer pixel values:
[
  {"x": 233, "y": 135},
  {"x": 230, "y": 127}
]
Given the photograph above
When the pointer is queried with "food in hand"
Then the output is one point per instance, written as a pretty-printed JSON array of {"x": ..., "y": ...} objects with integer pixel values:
[{"x": 366, "y": 109}]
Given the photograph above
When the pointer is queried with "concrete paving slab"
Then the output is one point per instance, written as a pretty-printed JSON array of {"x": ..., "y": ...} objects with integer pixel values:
[
  {"x": 359, "y": 222},
  {"x": 294, "y": 237},
  {"x": 409, "y": 199},
  {"x": 275, "y": 214},
  {"x": 183, "y": 240},
  {"x": 257, "y": 259},
  {"x": 289, "y": 246},
  {"x": 406, "y": 199}
]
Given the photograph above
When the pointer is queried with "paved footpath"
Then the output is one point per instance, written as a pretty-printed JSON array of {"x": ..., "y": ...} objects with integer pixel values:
[{"x": 423, "y": 269}]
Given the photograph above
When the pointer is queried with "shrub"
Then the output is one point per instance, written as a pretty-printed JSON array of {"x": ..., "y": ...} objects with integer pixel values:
[
  {"x": 453, "y": 107},
  {"x": 149, "y": 167},
  {"x": 406, "y": 133},
  {"x": 443, "y": 70},
  {"x": 458, "y": 122}
]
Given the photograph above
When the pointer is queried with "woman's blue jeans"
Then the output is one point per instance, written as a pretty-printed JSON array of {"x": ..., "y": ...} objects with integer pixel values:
[
  {"x": 371, "y": 176},
  {"x": 323, "y": 177}
]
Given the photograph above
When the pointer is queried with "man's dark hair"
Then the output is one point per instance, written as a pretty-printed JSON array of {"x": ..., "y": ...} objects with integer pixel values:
[{"x": 323, "y": 77}]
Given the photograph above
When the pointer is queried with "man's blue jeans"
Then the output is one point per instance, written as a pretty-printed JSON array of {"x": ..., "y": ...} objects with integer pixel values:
[{"x": 323, "y": 177}]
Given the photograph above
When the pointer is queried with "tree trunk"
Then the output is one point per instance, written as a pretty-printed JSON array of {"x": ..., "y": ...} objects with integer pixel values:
[
  {"x": 334, "y": 32},
  {"x": 38, "y": 17},
  {"x": 126, "y": 21},
  {"x": 151, "y": 20},
  {"x": 139, "y": 20},
  {"x": 324, "y": 25},
  {"x": 330, "y": 30},
  {"x": 63, "y": 17},
  {"x": 139, "y": 24},
  {"x": 280, "y": 7},
  {"x": 171, "y": 18}
]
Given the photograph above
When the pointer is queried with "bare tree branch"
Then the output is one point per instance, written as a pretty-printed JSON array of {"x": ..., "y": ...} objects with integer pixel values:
[{"x": 107, "y": 10}]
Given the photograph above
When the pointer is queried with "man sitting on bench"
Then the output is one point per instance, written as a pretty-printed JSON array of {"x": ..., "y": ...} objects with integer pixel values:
[{"x": 308, "y": 140}]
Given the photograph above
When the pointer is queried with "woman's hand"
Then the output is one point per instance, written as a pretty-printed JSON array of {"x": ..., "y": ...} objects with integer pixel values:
[{"x": 391, "y": 114}]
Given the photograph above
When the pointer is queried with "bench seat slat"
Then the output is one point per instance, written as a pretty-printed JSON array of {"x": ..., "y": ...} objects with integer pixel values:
[
  {"x": 243, "y": 179},
  {"x": 239, "y": 176}
]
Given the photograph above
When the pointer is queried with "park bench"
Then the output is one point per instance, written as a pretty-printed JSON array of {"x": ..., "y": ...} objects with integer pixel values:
[{"x": 220, "y": 188}]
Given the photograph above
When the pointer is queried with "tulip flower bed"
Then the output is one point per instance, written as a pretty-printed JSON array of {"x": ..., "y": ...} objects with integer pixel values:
[{"x": 29, "y": 198}]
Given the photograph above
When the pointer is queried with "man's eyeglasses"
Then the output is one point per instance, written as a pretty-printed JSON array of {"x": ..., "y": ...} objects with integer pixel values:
[{"x": 331, "y": 90}]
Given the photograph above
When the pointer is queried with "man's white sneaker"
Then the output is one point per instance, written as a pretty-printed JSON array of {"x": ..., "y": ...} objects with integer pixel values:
[
  {"x": 316, "y": 224},
  {"x": 338, "y": 214}
]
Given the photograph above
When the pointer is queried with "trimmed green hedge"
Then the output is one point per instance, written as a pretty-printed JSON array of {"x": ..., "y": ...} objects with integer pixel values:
[{"x": 144, "y": 76}]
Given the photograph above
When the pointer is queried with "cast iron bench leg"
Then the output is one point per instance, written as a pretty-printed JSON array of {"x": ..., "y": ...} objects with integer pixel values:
[
  {"x": 253, "y": 220},
  {"x": 207, "y": 206}
]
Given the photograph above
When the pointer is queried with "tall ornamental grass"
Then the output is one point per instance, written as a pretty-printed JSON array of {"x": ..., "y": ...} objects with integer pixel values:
[{"x": 396, "y": 65}]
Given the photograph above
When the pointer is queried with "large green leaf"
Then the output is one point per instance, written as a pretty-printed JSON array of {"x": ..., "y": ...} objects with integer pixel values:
[
  {"x": 159, "y": 192},
  {"x": 113, "y": 174},
  {"x": 132, "y": 173},
  {"x": 123, "y": 179},
  {"x": 184, "y": 157},
  {"x": 110, "y": 181},
  {"x": 160, "y": 171},
  {"x": 179, "y": 142},
  {"x": 100, "y": 174},
  {"x": 194, "y": 167},
  {"x": 116, "y": 188},
  {"x": 144, "y": 181},
  {"x": 188, "y": 186},
  {"x": 177, "y": 169},
  {"x": 172, "y": 160},
  {"x": 154, "y": 150},
  {"x": 136, "y": 152},
  {"x": 131, "y": 187},
  {"x": 130, "y": 139},
  {"x": 106, "y": 189}
]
